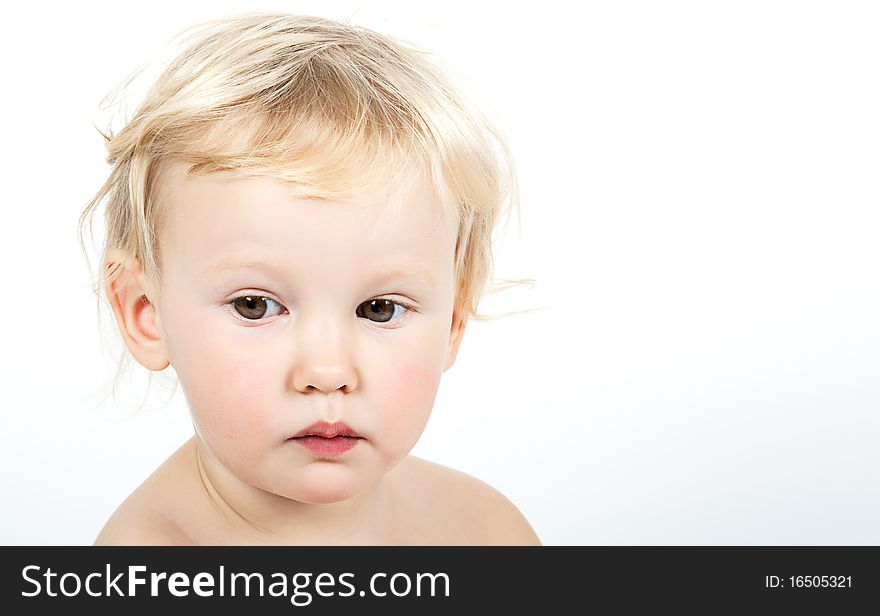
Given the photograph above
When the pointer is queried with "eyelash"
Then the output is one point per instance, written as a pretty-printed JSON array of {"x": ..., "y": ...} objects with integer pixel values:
[{"x": 230, "y": 307}]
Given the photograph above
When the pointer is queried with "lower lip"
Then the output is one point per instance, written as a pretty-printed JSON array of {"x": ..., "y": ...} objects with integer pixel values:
[{"x": 328, "y": 446}]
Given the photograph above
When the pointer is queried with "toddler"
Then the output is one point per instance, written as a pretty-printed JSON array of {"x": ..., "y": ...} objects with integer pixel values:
[{"x": 299, "y": 221}]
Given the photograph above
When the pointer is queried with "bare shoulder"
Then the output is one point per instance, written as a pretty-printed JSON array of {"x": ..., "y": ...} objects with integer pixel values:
[
  {"x": 132, "y": 525},
  {"x": 146, "y": 517},
  {"x": 470, "y": 510}
]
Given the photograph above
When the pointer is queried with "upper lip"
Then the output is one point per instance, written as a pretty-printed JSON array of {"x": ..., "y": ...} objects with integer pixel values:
[{"x": 327, "y": 430}]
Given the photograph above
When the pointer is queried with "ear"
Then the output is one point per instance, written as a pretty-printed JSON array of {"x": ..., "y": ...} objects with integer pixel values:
[
  {"x": 456, "y": 333},
  {"x": 137, "y": 317}
]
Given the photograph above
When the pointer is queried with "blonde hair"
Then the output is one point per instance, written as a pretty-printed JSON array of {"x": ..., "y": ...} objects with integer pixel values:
[{"x": 331, "y": 107}]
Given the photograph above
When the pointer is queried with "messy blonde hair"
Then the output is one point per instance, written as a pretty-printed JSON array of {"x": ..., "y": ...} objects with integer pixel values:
[{"x": 333, "y": 108}]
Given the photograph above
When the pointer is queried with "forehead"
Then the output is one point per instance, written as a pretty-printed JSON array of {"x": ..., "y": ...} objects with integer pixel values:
[{"x": 218, "y": 218}]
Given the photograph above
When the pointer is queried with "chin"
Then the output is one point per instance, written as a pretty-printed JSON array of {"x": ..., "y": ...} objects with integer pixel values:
[
  {"x": 324, "y": 495},
  {"x": 323, "y": 489}
]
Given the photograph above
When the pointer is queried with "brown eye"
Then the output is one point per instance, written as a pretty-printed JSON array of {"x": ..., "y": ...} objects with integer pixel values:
[
  {"x": 252, "y": 307},
  {"x": 379, "y": 310}
]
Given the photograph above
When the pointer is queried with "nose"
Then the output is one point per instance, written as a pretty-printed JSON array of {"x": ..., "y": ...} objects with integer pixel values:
[{"x": 325, "y": 361}]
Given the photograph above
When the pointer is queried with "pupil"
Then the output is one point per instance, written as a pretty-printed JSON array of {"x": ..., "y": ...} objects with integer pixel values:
[
  {"x": 382, "y": 308},
  {"x": 249, "y": 307}
]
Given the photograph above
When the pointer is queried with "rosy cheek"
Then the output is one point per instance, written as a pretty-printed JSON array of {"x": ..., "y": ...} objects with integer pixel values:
[
  {"x": 412, "y": 378},
  {"x": 229, "y": 407},
  {"x": 417, "y": 382},
  {"x": 409, "y": 394}
]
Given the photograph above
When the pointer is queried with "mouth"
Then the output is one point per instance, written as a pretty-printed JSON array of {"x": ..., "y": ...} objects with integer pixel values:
[
  {"x": 328, "y": 439},
  {"x": 328, "y": 430}
]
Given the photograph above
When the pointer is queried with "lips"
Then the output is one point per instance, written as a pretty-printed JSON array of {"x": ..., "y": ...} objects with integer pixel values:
[
  {"x": 327, "y": 439},
  {"x": 327, "y": 430}
]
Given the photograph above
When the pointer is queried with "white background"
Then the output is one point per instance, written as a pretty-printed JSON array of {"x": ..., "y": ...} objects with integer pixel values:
[{"x": 700, "y": 209}]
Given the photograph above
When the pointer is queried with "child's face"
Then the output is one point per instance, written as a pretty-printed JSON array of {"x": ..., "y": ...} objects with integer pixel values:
[{"x": 315, "y": 349}]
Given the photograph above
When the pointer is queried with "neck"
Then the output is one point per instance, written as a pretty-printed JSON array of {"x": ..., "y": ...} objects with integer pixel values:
[{"x": 254, "y": 514}]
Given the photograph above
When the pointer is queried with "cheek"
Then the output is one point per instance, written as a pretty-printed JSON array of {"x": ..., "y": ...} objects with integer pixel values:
[
  {"x": 408, "y": 388},
  {"x": 407, "y": 409},
  {"x": 414, "y": 384},
  {"x": 225, "y": 390},
  {"x": 231, "y": 401}
]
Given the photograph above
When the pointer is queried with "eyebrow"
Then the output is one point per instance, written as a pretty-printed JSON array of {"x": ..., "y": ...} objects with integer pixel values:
[{"x": 391, "y": 272}]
